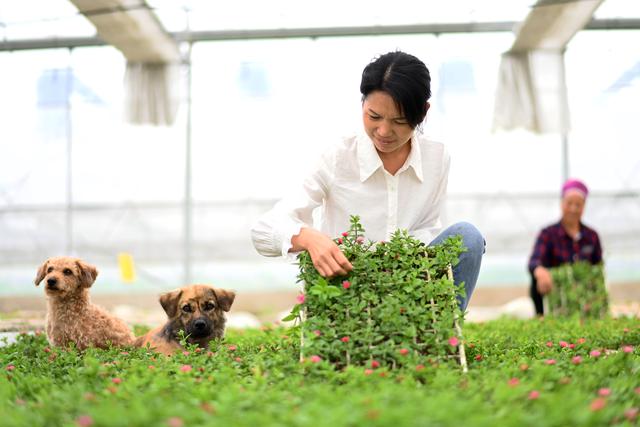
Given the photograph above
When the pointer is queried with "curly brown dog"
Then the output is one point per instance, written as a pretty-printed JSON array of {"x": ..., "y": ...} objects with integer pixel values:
[
  {"x": 71, "y": 317},
  {"x": 197, "y": 311}
]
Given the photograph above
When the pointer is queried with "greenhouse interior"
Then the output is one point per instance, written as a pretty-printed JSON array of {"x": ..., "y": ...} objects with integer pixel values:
[
  {"x": 147, "y": 137},
  {"x": 343, "y": 213}
]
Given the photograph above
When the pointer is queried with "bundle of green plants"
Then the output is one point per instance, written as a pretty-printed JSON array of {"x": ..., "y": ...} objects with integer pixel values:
[
  {"x": 578, "y": 290},
  {"x": 398, "y": 305}
]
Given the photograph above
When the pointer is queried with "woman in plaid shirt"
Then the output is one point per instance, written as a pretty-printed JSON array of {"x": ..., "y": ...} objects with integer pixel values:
[{"x": 566, "y": 241}]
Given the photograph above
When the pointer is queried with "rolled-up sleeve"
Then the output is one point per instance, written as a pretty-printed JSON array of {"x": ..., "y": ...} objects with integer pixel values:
[{"x": 272, "y": 232}]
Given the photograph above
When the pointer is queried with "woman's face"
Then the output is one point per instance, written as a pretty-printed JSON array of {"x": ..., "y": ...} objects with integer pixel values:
[
  {"x": 572, "y": 206},
  {"x": 384, "y": 124}
]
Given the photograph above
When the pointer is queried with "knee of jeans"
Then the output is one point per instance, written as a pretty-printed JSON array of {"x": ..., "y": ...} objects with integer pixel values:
[{"x": 473, "y": 239}]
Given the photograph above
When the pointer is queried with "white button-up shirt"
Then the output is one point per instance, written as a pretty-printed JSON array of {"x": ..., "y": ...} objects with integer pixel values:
[{"x": 351, "y": 180}]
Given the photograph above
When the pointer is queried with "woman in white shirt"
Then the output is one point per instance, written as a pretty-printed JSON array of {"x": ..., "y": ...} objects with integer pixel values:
[{"x": 391, "y": 176}]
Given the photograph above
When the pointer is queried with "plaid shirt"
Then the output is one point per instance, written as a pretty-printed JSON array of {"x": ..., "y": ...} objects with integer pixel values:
[{"x": 555, "y": 247}]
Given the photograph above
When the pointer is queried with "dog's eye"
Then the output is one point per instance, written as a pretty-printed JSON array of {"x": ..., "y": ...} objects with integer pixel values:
[
  {"x": 208, "y": 306},
  {"x": 49, "y": 270},
  {"x": 67, "y": 272},
  {"x": 186, "y": 308}
]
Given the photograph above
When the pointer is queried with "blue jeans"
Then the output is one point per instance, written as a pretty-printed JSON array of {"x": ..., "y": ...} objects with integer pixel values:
[{"x": 468, "y": 268}]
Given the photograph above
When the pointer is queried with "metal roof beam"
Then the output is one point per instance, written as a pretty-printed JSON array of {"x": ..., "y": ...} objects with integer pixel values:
[{"x": 378, "y": 30}]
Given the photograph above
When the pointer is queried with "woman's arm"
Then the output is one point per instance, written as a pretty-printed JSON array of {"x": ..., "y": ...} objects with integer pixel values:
[{"x": 287, "y": 227}]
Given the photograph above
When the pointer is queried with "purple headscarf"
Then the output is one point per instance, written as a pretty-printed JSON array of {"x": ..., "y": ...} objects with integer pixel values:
[{"x": 575, "y": 185}]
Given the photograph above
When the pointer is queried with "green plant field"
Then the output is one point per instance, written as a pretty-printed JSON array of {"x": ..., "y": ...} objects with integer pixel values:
[{"x": 521, "y": 373}]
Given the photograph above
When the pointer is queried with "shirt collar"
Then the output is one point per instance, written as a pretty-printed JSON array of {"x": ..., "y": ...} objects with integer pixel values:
[
  {"x": 564, "y": 233},
  {"x": 369, "y": 160}
]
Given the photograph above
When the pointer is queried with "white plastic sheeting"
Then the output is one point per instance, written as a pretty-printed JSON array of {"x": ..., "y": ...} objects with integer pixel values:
[
  {"x": 151, "y": 80},
  {"x": 151, "y": 93},
  {"x": 531, "y": 92}
]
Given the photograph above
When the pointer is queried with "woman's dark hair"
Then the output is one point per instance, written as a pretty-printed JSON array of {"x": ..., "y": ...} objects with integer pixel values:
[{"x": 405, "y": 78}]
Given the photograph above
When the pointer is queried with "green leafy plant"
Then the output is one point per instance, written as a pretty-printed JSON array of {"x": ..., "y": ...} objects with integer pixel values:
[
  {"x": 253, "y": 377},
  {"x": 397, "y": 306},
  {"x": 578, "y": 290}
]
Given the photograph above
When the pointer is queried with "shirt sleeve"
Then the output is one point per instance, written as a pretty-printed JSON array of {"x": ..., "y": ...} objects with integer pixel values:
[
  {"x": 540, "y": 251},
  {"x": 431, "y": 224},
  {"x": 596, "y": 256},
  {"x": 272, "y": 232}
]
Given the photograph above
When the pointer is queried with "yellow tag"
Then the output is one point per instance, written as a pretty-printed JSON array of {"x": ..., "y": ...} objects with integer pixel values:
[{"x": 127, "y": 271}]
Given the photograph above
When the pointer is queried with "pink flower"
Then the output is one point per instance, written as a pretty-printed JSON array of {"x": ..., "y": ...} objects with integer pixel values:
[
  {"x": 315, "y": 358},
  {"x": 478, "y": 357},
  {"x": 627, "y": 349},
  {"x": 360, "y": 240},
  {"x": 317, "y": 333},
  {"x": 124, "y": 353},
  {"x": 513, "y": 382},
  {"x": 300, "y": 299},
  {"x": 604, "y": 392},
  {"x": 419, "y": 367},
  {"x": 368, "y": 371},
  {"x": 598, "y": 403},
  {"x": 345, "y": 234},
  {"x": 625, "y": 330},
  {"x": 581, "y": 340},
  {"x": 524, "y": 367},
  {"x": 453, "y": 341},
  {"x": 346, "y": 284},
  {"x": 563, "y": 344},
  {"x": 576, "y": 360},
  {"x": 185, "y": 353},
  {"x": 534, "y": 394},
  {"x": 375, "y": 364},
  {"x": 186, "y": 368},
  {"x": 84, "y": 421},
  {"x": 10, "y": 367},
  {"x": 549, "y": 344},
  {"x": 637, "y": 390},
  {"x": 572, "y": 346},
  {"x": 151, "y": 367},
  {"x": 232, "y": 348},
  {"x": 175, "y": 422},
  {"x": 339, "y": 240},
  {"x": 631, "y": 414},
  {"x": 238, "y": 359},
  {"x": 595, "y": 353},
  {"x": 550, "y": 361},
  {"x": 403, "y": 351},
  {"x": 344, "y": 339},
  {"x": 116, "y": 380}
]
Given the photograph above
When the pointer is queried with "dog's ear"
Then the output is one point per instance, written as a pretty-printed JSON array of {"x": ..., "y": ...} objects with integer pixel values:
[
  {"x": 169, "y": 302},
  {"x": 225, "y": 298},
  {"x": 42, "y": 271},
  {"x": 88, "y": 273}
]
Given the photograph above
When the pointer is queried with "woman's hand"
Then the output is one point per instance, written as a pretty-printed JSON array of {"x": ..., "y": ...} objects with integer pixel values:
[
  {"x": 327, "y": 258},
  {"x": 544, "y": 280}
]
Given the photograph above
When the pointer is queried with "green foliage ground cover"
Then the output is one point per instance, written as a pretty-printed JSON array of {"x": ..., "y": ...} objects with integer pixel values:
[{"x": 550, "y": 372}]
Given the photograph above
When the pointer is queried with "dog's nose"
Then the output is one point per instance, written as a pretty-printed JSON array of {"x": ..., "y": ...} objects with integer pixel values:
[
  {"x": 199, "y": 324},
  {"x": 51, "y": 282}
]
